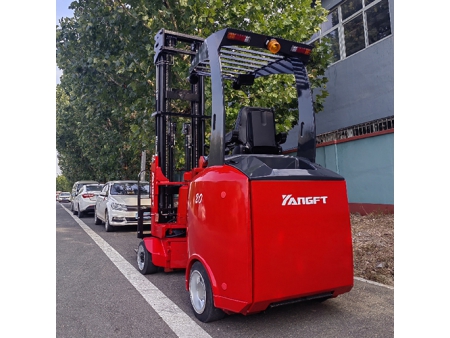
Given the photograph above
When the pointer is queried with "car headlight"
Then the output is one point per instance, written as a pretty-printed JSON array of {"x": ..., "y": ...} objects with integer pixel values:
[{"x": 118, "y": 206}]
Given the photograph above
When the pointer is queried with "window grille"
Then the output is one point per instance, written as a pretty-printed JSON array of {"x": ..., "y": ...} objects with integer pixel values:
[{"x": 361, "y": 129}]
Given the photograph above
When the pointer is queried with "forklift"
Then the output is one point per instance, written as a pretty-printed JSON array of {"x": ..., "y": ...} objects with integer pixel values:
[{"x": 252, "y": 227}]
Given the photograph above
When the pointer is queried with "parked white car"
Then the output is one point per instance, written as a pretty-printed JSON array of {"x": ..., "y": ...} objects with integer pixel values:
[
  {"x": 76, "y": 187},
  {"x": 64, "y": 197},
  {"x": 84, "y": 201},
  {"x": 117, "y": 204}
]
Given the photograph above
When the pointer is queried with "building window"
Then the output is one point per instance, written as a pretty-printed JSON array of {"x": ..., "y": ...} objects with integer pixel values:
[
  {"x": 355, "y": 25},
  {"x": 334, "y": 43},
  {"x": 378, "y": 21},
  {"x": 354, "y": 35},
  {"x": 350, "y": 7}
]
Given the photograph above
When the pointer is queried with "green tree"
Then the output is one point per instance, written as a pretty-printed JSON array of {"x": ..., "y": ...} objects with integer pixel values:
[
  {"x": 106, "y": 94},
  {"x": 63, "y": 184}
]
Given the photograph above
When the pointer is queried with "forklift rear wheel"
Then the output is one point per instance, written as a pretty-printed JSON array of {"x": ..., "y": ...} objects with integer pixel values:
[
  {"x": 144, "y": 260},
  {"x": 201, "y": 295}
]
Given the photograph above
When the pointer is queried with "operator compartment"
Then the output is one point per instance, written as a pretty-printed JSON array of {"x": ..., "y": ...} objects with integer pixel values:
[{"x": 300, "y": 226}]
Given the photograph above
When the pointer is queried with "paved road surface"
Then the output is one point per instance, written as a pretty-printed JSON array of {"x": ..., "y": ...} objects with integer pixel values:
[{"x": 100, "y": 293}]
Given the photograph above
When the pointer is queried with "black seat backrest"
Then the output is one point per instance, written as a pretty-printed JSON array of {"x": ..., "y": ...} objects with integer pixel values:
[{"x": 256, "y": 127}]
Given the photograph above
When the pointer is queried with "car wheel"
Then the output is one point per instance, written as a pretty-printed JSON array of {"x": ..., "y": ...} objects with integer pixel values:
[
  {"x": 80, "y": 213},
  {"x": 97, "y": 220},
  {"x": 201, "y": 296},
  {"x": 73, "y": 209},
  {"x": 108, "y": 227},
  {"x": 144, "y": 260}
]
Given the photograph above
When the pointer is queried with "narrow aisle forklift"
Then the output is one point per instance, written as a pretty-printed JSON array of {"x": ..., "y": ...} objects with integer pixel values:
[{"x": 252, "y": 227}]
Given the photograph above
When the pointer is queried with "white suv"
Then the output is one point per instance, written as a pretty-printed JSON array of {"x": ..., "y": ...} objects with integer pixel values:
[{"x": 117, "y": 204}]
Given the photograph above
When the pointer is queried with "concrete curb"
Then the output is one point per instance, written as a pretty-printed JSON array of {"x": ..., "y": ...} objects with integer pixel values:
[{"x": 374, "y": 283}]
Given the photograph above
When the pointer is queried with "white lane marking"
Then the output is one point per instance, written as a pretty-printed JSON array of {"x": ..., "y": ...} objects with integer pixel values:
[{"x": 180, "y": 323}]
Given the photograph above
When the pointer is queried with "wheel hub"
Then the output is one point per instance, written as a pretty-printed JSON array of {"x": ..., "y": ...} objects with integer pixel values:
[
  {"x": 140, "y": 258},
  {"x": 197, "y": 291}
]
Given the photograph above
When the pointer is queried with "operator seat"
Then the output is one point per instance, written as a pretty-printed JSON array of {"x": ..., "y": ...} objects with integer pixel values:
[{"x": 254, "y": 132}]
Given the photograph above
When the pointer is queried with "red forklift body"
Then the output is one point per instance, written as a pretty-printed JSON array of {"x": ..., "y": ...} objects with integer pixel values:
[
  {"x": 252, "y": 227},
  {"x": 300, "y": 252},
  {"x": 266, "y": 241}
]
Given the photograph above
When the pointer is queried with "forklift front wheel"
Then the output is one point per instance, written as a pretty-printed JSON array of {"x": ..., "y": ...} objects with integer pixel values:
[
  {"x": 201, "y": 295},
  {"x": 144, "y": 260}
]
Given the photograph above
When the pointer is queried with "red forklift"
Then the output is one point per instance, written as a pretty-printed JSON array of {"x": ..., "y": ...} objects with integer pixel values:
[{"x": 253, "y": 228}]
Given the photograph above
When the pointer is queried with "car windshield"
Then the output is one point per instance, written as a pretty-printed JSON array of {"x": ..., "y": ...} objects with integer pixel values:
[
  {"x": 129, "y": 189},
  {"x": 64, "y": 194},
  {"x": 94, "y": 188}
]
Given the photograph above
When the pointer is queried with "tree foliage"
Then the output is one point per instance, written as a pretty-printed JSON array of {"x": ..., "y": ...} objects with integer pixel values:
[
  {"x": 106, "y": 94},
  {"x": 63, "y": 184}
]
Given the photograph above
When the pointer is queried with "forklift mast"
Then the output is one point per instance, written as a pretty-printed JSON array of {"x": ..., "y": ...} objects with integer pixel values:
[{"x": 168, "y": 47}]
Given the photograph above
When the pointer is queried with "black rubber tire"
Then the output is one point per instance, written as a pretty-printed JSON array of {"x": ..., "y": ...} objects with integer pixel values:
[
  {"x": 108, "y": 227},
  {"x": 144, "y": 260},
  {"x": 80, "y": 213},
  {"x": 97, "y": 221},
  {"x": 73, "y": 209},
  {"x": 209, "y": 313}
]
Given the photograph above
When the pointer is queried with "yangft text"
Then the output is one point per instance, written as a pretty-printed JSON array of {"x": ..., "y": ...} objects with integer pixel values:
[{"x": 289, "y": 200}]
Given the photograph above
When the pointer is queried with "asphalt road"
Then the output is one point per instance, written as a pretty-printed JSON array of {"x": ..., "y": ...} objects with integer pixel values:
[{"x": 100, "y": 293}]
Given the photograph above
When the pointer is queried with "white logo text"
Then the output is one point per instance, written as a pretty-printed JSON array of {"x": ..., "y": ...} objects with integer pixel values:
[{"x": 289, "y": 200}]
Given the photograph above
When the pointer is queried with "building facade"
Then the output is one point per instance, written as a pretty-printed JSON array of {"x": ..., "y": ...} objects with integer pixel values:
[{"x": 355, "y": 131}]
